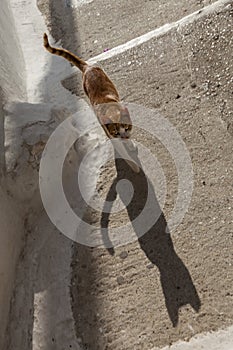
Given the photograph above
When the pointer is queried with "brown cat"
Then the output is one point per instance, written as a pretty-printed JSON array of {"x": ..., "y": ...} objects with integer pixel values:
[{"x": 102, "y": 93}]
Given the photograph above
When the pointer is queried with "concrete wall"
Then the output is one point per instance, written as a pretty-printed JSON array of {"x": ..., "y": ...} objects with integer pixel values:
[
  {"x": 11, "y": 234},
  {"x": 12, "y": 87}
]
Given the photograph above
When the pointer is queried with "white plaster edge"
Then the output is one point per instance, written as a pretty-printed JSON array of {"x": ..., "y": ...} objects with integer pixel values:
[
  {"x": 166, "y": 28},
  {"x": 220, "y": 340}
]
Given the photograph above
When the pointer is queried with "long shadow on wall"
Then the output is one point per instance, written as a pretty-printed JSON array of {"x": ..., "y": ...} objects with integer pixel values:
[{"x": 177, "y": 284}]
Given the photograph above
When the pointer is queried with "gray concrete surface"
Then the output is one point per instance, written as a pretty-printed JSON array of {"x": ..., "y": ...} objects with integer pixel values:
[
  {"x": 12, "y": 86},
  {"x": 11, "y": 235},
  {"x": 185, "y": 75}
]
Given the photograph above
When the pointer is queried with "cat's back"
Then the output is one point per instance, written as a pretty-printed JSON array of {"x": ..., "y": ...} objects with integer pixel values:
[
  {"x": 95, "y": 75},
  {"x": 96, "y": 83}
]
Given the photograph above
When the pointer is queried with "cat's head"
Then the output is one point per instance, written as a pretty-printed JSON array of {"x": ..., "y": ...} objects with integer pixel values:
[
  {"x": 116, "y": 121},
  {"x": 119, "y": 130}
]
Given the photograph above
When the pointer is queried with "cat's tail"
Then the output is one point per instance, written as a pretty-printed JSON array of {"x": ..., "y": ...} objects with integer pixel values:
[{"x": 78, "y": 62}]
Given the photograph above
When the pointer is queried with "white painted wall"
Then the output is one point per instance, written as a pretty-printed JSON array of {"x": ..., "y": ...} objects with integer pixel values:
[
  {"x": 12, "y": 68},
  {"x": 30, "y": 100}
]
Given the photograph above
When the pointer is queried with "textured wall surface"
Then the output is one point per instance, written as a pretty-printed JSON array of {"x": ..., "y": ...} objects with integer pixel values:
[
  {"x": 12, "y": 87},
  {"x": 12, "y": 70},
  {"x": 11, "y": 233}
]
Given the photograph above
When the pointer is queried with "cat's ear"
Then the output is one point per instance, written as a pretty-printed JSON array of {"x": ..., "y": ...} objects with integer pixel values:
[
  {"x": 124, "y": 112},
  {"x": 105, "y": 120},
  {"x": 125, "y": 116},
  {"x": 125, "y": 109}
]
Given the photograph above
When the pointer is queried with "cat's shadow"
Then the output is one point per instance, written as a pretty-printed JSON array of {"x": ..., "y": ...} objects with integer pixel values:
[{"x": 177, "y": 284}]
